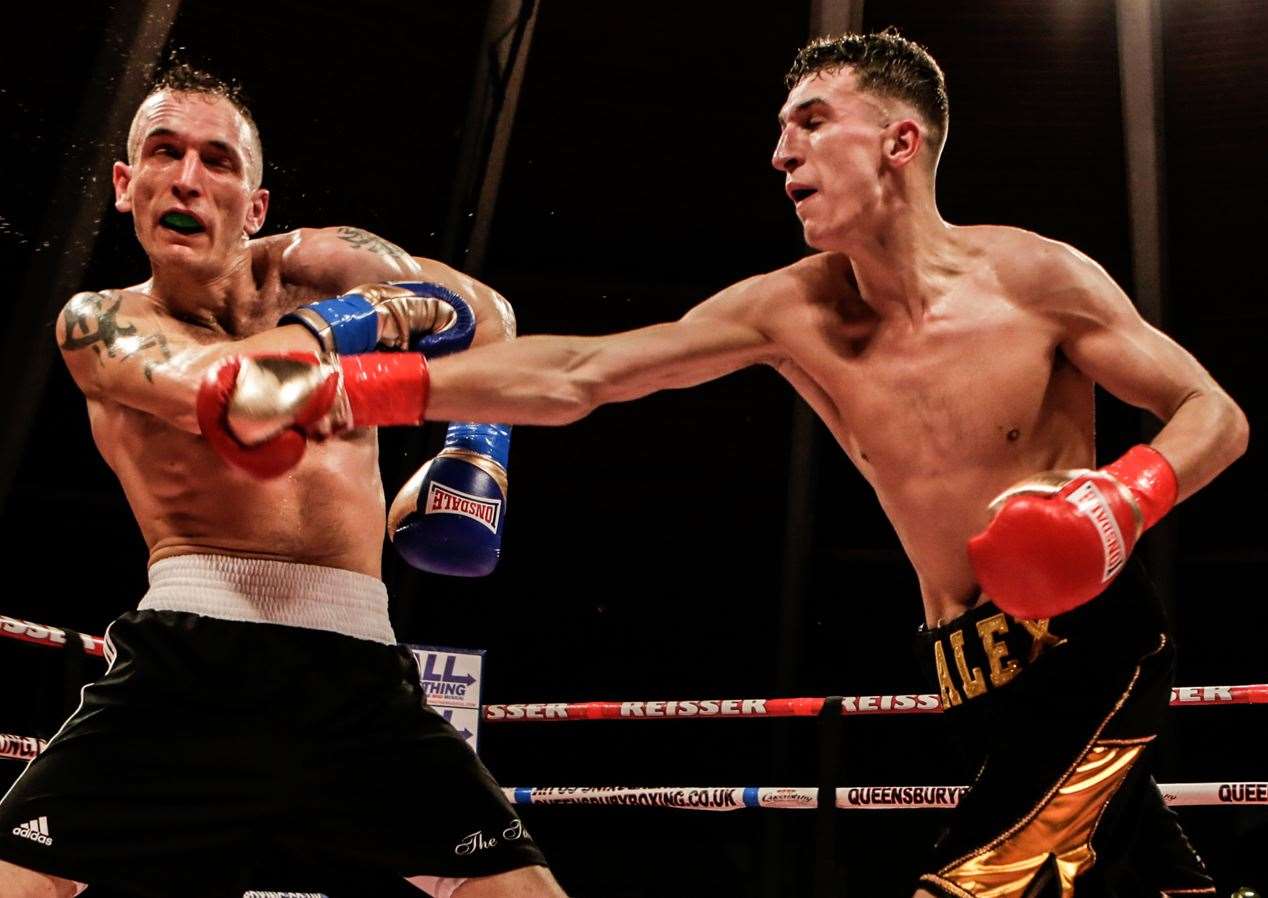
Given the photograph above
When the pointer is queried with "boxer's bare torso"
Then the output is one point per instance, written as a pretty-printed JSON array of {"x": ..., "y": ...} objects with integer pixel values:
[
  {"x": 940, "y": 413},
  {"x": 940, "y": 408},
  {"x": 978, "y": 376},
  {"x": 327, "y": 511}
]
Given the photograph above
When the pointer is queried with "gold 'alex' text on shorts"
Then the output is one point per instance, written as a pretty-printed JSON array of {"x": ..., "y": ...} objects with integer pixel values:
[{"x": 974, "y": 657}]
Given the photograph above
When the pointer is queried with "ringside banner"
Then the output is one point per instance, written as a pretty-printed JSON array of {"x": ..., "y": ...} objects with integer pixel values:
[{"x": 452, "y": 679}]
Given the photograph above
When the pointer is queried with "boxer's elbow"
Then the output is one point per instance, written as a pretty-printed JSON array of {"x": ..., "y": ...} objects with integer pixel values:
[
  {"x": 1228, "y": 425},
  {"x": 503, "y": 318},
  {"x": 495, "y": 319},
  {"x": 1238, "y": 430}
]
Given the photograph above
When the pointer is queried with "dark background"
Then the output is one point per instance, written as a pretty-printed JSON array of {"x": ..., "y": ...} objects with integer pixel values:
[{"x": 647, "y": 546}]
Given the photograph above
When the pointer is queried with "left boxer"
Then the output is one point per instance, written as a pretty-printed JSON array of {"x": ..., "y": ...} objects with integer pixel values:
[{"x": 266, "y": 622}]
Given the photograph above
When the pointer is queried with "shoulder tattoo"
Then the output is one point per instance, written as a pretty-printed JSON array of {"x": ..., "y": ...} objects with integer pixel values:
[
  {"x": 371, "y": 243},
  {"x": 92, "y": 322}
]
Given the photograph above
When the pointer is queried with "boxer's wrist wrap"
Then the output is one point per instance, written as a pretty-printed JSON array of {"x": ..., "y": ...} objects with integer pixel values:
[
  {"x": 491, "y": 441},
  {"x": 1151, "y": 480},
  {"x": 386, "y": 388},
  {"x": 347, "y": 324}
]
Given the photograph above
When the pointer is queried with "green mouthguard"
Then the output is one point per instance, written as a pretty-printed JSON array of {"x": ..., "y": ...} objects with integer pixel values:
[{"x": 181, "y": 220}]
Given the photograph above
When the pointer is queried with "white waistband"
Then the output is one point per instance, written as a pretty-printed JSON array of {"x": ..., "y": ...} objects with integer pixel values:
[{"x": 271, "y": 592}]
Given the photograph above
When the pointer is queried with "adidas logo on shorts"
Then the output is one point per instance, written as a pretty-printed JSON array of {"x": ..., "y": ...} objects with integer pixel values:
[{"x": 35, "y": 830}]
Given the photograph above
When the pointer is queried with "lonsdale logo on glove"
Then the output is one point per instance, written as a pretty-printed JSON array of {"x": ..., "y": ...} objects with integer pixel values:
[
  {"x": 1091, "y": 502},
  {"x": 1059, "y": 538},
  {"x": 442, "y": 499}
]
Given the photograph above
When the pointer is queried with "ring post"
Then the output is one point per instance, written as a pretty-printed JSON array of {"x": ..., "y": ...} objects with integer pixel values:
[{"x": 829, "y": 729}]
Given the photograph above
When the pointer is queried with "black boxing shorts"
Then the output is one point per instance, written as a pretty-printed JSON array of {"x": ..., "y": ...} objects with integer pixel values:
[
  {"x": 212, "y": 751},
  {"x": 1057, "y": 717}
]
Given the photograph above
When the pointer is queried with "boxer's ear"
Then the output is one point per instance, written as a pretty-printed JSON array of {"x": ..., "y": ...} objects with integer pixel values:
[
  {"x": 121, "y": 174},
  {"x": 903, "y": 142},
  {"x": 257, "y": 209}
]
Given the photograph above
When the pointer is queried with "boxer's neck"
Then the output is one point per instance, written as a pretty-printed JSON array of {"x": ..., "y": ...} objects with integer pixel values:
[
  {"x": 227, "y": 300},
  {"x": 902, "y": 262}
]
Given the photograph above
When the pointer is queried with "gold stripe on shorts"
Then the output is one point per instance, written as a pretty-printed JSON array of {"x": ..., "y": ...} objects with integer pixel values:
[
  {"x": 1062, "y": 824},
  {"x": 1063, "y": 827}
]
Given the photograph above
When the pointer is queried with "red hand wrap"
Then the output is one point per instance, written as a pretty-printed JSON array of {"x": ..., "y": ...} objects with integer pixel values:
[
  {"x": 1149, "y": 476},
  {"x": 386, "y": 388}
]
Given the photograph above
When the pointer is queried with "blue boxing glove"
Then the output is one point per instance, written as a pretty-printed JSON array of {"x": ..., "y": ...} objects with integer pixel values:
[
  {"x": 449, "y": 517},
  {"x": 414, "y": 315}
]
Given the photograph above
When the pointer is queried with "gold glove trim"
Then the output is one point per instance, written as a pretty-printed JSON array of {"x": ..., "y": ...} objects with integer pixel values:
[
  {"x": 403, "y": 313},
  {"x": 1049, "y": 483},
  {"x": 1045, "y": 483},
  {"x": 483, "y": 462}
]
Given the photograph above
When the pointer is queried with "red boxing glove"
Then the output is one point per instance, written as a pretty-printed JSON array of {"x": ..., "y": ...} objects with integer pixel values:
[
  {"x": 1059, "y": 538},
  {"x": 258, "y": 412}
]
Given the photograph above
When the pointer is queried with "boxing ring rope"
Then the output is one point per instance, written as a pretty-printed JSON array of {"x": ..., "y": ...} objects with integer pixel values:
[
  {"x": 20, "y": 748},
  {"x": 926, "y": 703},
  {"x": 731, "y": 798},
  {"x": 734, "y": 798},
  {"x": 49, "y": 636},
  {"x": 914, "y": 703}
]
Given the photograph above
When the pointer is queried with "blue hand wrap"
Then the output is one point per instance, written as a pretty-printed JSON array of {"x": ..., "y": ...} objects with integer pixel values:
[
  {"x": 451, "y": 339},
  {"x": 354, "y": 325},
  {"x": 493, "y": 441}
]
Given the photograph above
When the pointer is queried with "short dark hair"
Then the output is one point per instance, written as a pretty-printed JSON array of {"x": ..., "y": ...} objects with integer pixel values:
[
  {"x": 885, "y": 63},
  {"x": 181, "y": 77}
]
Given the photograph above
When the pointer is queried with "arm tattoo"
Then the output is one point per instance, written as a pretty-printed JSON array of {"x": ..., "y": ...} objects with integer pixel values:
[
  {"x": 91, "y": 321},
  {"x": 367, "y": 241}
]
